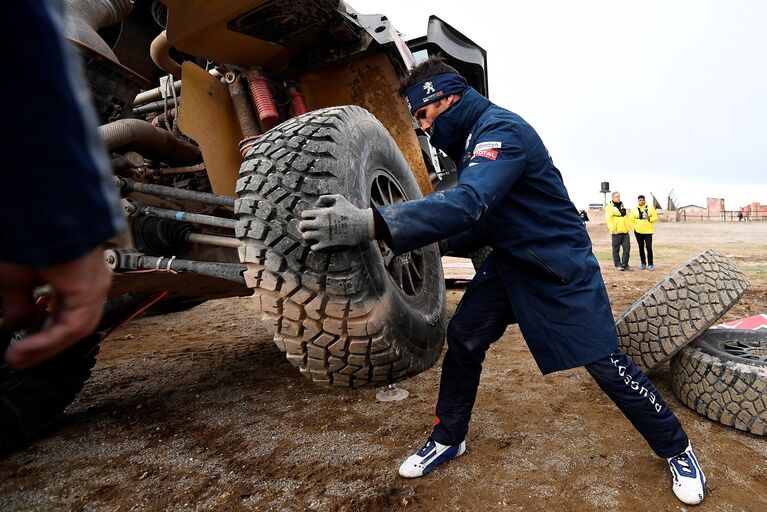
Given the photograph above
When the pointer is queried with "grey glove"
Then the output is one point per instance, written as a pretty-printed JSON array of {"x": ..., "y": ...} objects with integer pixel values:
[{"x": 334, "y": 222}]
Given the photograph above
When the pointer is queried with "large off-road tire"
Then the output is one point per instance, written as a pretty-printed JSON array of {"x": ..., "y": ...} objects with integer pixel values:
[
  {"x": 723, "y": 375},
  {"x": 31, "y": 400},
  {"x": 679, "y": 308},
  {"x": 354, "y": 317}
]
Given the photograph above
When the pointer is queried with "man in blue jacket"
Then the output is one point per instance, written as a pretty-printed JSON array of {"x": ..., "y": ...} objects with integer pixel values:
[
  {"x": 57, "y": 201},
  {"x": 541, "y": 274}
]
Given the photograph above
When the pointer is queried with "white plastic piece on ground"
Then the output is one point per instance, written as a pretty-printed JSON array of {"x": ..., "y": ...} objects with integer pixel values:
[
  {"x": 391, "y": 394},
  {"x": 457, "y": 269}
]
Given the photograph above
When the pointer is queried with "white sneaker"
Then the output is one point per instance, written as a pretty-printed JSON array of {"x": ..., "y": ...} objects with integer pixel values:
[
  {"x": 689, "y": 480},
  {"x": 429, "y": 457}
]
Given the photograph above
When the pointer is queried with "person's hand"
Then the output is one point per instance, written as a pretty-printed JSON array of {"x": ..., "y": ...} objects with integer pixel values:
[
  {"x": 79, "y": 288},
  {"x": 334, "y": 222}
]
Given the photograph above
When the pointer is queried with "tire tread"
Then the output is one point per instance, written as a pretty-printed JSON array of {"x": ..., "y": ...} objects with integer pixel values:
[
  {"x": 315, "y": 304},
  {"x": 679, "y": 308}
]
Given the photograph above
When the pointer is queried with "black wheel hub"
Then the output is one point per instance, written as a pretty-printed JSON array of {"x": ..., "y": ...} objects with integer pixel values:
[
  {"x": 407, "y": 270},
  {"x": 754, "y": 350}
]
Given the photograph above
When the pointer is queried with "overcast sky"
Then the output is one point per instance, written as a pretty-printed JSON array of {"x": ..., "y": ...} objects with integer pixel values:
[{"x": 650, "y": 96}]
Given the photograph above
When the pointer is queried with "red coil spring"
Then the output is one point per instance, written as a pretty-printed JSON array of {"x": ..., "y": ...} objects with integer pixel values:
[
  {"x": 262, "y": 97},
  {"x": 297, "y": 102}
]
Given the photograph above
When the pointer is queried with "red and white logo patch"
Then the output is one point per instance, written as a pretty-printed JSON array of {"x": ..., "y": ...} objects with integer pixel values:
[{"x": 490, "y": 154}]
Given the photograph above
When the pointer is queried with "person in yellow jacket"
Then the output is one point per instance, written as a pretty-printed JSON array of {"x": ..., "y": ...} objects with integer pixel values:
[
  {"x": 619, "y": 224},
  {"x": 643, "y": 218}
]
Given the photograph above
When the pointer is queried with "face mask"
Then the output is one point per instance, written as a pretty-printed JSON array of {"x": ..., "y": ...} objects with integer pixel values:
[{"x": 442, "y": 135}]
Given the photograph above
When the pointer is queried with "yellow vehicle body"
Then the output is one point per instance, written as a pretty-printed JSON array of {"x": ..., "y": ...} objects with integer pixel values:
[{"x": 203, "y": 29}]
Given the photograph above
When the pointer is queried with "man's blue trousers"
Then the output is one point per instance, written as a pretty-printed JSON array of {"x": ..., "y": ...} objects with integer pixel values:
[{"x": 482, "y": 317}]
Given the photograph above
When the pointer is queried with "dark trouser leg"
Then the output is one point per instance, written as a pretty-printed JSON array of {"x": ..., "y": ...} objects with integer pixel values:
[
  {"x": 641, "y": 243},
  {"x": 481, "y": 318},
  {"x": 640, "y": 402},
  {"x": 648, "y": 242},
  {"x": 616, "y": 239},
  {"x": 626, "y": 243}
]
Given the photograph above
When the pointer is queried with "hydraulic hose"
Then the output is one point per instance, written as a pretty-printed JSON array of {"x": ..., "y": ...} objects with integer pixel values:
[{"x": 149, "y": 140}]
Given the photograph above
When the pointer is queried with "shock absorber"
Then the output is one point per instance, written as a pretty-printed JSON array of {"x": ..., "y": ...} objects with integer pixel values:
[
  {"x": 244, "y": 109},
  {"x": 262, "y": 97},
  {"x": 297, "y": 100}
]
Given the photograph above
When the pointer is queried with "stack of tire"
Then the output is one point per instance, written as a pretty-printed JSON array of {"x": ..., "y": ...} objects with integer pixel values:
[{"x": 720, "y": 373}]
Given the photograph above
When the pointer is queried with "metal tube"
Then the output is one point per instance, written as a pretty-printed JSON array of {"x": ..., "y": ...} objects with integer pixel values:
[
  {"x": 229, "y": 271},
  {"x": 155, "y": 106},
  {"x": 165, "y": 171},
  {"x": 194, "y": 218},
  {"x": 154, "y": 94},
  {"x": 177, "y": 193},
  {"x": 159, "y": 50},
  {"x": 219, "y": 241}
]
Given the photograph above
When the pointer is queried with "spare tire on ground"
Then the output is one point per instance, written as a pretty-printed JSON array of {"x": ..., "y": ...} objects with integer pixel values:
[
  {"x": 354, "y": 317},
  {"x": 679, "y": 308},
  {"x": 31, "y": 400},
  {"x": 723, "y": 375}
]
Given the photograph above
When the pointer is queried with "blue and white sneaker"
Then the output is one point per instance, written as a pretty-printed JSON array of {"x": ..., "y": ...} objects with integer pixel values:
[
  {"x": 429, "y": 457},
  {"x": 689, "y": 480}
]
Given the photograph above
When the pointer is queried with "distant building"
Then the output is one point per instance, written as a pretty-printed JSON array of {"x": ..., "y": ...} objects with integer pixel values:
[
  {"x": 692, "y": 212},
  {"x": 715, "y": 205},
  {"x": 754, "y": 211},
  {"x": 715, "y": 208},
  {"x": 715, "y": 211}
]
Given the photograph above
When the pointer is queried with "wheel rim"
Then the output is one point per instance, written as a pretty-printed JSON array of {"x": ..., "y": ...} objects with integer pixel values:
[
  {"x": 753, "y": 350},
  {"x": 406, "y": 270}
]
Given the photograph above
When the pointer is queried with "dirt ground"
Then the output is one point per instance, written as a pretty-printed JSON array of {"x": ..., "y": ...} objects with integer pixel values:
[{"x": 200, "y": 411}]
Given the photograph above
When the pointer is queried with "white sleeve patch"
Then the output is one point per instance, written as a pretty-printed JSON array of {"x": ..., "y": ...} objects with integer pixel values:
[
  {"x": 487, "y": 145},
  {"x": 472, "y": 163}
]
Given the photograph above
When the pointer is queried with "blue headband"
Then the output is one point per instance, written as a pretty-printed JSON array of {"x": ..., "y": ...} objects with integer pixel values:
[{"x": 434, "y": 89}]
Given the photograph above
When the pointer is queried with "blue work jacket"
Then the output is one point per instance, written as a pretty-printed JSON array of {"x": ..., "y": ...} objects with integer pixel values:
[
  {"x": 510, "y": 196},
  {"x": 57, "y": 199}
]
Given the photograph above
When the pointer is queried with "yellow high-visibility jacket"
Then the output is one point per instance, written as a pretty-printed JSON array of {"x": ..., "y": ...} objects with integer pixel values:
[
  {"x": 615, "y": 222},
  {"x": 643, "y": 219}
]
